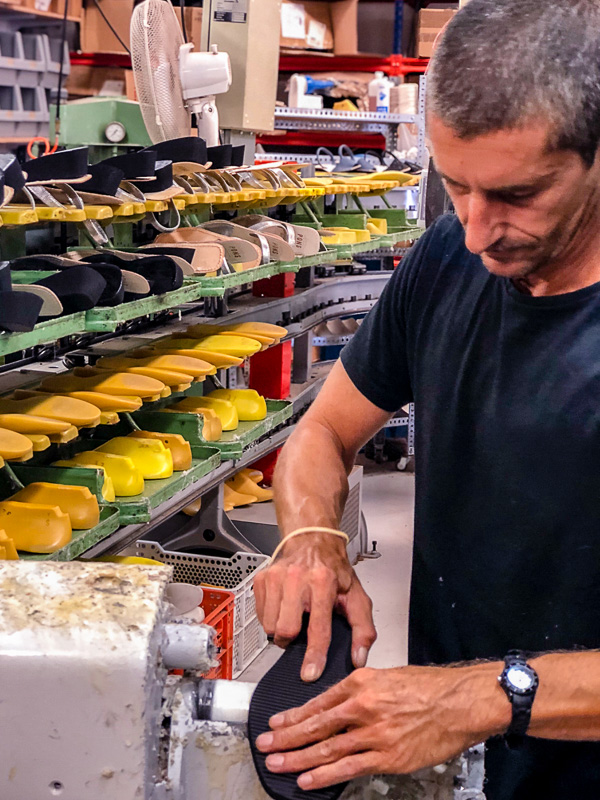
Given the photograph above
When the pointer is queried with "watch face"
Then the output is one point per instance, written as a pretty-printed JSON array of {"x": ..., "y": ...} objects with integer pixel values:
[{"x": 520, "y": 678}]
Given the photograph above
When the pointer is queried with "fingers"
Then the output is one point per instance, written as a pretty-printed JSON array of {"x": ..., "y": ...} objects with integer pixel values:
[
  {"x": 346, "y": 769},
  {"x": 330, "y": 699},
  {"x": 291, "y": 609},
  {"x": 327, "y": 752},
  {"x": 323, "y": 595},
  {"x": 317, "y": 728},
  {"x": 358, "y": 607},
  {"x": 271, "y": 605}
]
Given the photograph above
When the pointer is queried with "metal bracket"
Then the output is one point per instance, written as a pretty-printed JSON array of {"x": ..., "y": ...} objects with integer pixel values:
[{"x": 209, "y": 529}]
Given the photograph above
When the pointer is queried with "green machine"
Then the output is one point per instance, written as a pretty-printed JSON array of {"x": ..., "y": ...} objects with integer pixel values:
[{"x": 108, "y": 125}]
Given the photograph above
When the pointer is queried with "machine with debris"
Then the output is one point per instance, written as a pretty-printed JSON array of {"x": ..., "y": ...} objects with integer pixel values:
[{"x": 90, "y": 709}]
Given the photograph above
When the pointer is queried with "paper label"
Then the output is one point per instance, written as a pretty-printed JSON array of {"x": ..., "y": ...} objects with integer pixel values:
[
  {"x": 293, "y": 21},
  {"x": 42, "y": 5},
  {"x": 315, "y": 37},
  {"x": 112, "y": 88},
  {"x": 230, "y": 10}
]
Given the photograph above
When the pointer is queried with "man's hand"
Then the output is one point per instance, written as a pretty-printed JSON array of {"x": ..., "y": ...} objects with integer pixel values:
[
  {"x": 312, "y": 573},
  {"x": 391, "y": 721}
]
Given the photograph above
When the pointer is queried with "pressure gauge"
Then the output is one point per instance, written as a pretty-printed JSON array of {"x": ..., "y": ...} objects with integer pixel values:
[{"x": 115, "y": 132}]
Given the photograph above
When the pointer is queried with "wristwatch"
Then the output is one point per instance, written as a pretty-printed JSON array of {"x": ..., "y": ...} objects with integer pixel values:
[{"x": 520, "y": 682}]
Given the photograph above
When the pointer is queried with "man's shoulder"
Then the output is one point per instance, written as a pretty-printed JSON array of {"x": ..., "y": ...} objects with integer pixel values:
[{"x": 445, "y": 236}]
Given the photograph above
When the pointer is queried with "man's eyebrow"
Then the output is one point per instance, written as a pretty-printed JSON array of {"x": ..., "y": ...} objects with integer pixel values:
[{"x": 539, "y": 182}]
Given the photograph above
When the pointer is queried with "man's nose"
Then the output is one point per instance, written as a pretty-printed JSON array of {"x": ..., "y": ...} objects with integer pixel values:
[{"x": 482, "y": 226}]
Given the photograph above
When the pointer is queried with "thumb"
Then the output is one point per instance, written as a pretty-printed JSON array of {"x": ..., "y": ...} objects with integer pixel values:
[{"x": 358, "y": 609}]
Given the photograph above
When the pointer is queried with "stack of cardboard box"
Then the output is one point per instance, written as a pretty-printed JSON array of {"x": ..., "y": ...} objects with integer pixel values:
[{"x": 321, "y": 26}]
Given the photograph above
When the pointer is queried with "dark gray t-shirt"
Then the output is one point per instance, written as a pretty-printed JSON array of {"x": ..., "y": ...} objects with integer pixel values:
[{"x": 507, "y": 518}]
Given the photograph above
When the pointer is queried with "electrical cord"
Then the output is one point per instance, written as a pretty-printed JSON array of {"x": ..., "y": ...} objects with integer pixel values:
[
  {"x": 63, "y": 40},
  {"x": 182, "y": 9},
  {"x": 104, "y": 17}
]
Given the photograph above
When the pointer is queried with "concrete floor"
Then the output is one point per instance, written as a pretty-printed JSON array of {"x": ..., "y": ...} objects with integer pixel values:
[{"x": 388, "y": 503}]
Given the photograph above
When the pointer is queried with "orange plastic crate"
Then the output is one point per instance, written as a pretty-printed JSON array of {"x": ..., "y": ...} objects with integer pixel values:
[{"x": 218, "y": 608}]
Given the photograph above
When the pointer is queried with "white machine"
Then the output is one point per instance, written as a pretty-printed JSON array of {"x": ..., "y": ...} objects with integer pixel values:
[
  {"x": 89, "y": 711},
  {"x": 171, "y": 80}
]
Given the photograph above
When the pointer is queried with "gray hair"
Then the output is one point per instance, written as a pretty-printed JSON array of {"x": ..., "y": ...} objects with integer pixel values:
[{"x": 504, "y": 63}]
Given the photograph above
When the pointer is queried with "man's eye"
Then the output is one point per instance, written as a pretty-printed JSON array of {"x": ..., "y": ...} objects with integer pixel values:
[{"x": 517, "y": 197}]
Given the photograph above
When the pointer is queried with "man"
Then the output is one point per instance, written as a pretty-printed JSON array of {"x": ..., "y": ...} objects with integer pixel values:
[{"x": 492, "y": 327}]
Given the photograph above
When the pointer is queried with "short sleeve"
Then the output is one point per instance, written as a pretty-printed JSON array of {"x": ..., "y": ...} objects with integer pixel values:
[{"x": 377, "y": 358}]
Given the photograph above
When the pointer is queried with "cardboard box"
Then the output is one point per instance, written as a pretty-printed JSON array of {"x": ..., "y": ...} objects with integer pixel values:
[
  {"x": 75, "y": 9},
  {"x": 96, "y": 36},
  {"x": 317, "y": 25},
  {"x": 431, "y": 23},
  {"x": 86, "y": 81}
]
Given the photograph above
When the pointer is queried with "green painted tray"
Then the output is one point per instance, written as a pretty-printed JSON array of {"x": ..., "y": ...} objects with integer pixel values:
[
  {"x": 138, "y": 509},
  {"x": 131, "y": 509},
  {"x": 215, "y": 287},
  {"x": 232, "y": 444},
  {"x": 323, "y": 257},
  {"x": 74, "y": 476},
  {"x": 43, "y": 333},
  {"x": 82, "y": 540},
  {"x": 408, "y": 234},
  {"x": 107, "y": 319}
]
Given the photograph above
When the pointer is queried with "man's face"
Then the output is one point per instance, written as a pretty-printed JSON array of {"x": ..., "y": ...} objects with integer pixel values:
[{"x": 519, "y": 202}]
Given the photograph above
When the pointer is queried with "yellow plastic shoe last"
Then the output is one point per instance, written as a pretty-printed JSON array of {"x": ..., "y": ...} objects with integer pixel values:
[
  {"x": 249, "y": 404},
  {"x": 108, "y": 490},
  {"x": 224, "y": 344},
  {"x": 127, "y": 480},
  {"x": 28, "y": 423},
  {"x": 93, "y": 372},
  {"x": 148, "y": 562},
  {"x": 193, "y": 508},
  {"x": 211, "y": 424},
  {"x": 379, "y": 227},
  {"x": 181, "y": 452},
  {"x": 358, "y": 234},
  {"x": 15, "y": 446},
  {"x": 176, "y": 380},
  {"x": 35, "y": 528},
  {"x": 75, "y": 412},
  {"x": 330, "y": 236},
  {"x": 105, "y": 402},
  {"x": 150, "y": 456},
  {"x": 244, "y": 484},
  {"x": 8, "y": 551},
  {"x": 119, "y": 383},
  {"x": 191, "y": 348},
  {"x": 224, "y": 409},
  {"x": 192, "y": 367},
  {"x": 76, "y": 501},
  {"x": 263, "y": 332},
  {"x": 233, "y": 499},
  {"x": 38, "y": 441}
]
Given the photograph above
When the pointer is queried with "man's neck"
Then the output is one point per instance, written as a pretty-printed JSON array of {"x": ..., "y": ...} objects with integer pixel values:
[{"x": 578, "y": 263}]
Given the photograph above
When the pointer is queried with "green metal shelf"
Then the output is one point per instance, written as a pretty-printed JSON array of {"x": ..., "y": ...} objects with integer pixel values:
[
  {"x": 231, "y": 444},
  {"x": 108, "y": 319},
  {"x": 45, "y": 332},
  {"x": 138, "y": 509}
]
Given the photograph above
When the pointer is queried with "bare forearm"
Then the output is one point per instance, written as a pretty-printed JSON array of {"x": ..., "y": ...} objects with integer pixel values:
[
  {"x": 311, "y": 479},
  {"x": 567, "y": 702}
]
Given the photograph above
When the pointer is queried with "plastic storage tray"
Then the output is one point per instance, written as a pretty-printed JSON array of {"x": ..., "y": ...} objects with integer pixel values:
[{"x": 235, "y": 574}]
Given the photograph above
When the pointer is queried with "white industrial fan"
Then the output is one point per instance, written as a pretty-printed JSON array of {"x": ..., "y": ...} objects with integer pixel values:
[{"x": 172, "y": 82}]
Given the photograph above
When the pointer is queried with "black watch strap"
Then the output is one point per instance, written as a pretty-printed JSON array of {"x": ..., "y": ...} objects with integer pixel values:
[
  {"x": 521, "y": 701},
  {"x": 521, "y": 716}
]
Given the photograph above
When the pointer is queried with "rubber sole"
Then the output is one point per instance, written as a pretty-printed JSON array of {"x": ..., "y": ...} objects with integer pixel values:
[{"x": 281, "y": 689}]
